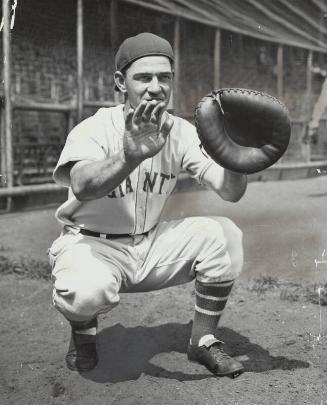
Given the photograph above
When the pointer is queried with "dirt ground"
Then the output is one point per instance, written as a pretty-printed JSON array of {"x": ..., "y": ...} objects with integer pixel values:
[{"x": 273, "y": 322}]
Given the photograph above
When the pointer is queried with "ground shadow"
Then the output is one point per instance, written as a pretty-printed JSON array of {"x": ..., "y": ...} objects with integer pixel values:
[
  {"x": 126, "y": 353},
  {"x": 317, "y": 195},
  {"x": 254, "y": 357}
]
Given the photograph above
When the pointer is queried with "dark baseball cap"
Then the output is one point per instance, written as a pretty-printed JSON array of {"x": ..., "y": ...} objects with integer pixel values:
[{"x": 144, "y": 44}]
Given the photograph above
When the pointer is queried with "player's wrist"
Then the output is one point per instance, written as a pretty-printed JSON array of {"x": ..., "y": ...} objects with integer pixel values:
[{"x": 131, "y": 161}]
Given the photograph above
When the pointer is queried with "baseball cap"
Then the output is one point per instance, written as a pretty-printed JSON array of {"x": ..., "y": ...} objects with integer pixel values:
[{"x": 144, "y": 44}]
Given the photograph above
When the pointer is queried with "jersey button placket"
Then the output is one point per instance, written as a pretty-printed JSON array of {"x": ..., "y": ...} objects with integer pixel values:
[{"x": 142, "y": 197}]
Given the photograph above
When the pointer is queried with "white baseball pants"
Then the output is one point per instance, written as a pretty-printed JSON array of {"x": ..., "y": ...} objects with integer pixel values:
[{"x": 90, "y": 272}]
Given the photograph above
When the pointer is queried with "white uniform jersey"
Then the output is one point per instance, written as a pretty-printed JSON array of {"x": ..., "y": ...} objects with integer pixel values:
[{"x": 135, "y": 206}]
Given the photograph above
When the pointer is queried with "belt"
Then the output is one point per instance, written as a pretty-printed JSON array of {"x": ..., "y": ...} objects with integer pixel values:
[{"x": 108, "y": 235}]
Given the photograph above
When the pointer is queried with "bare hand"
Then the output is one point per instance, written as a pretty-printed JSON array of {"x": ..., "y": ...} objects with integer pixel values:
[{"x": 143, "y": 137}]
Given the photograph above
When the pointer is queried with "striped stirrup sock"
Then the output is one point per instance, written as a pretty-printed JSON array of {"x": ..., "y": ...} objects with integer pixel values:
[
  {"x": 85, "y": 328},
  {"x": 210, "y": 301}
]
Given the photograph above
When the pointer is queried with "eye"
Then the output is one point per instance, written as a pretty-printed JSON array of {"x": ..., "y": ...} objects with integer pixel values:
[
  {"x": 143, "y": 78},
  {"x": 165, "y": 77}
]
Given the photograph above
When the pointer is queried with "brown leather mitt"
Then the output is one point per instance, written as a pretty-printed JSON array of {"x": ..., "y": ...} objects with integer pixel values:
[{"x": 243, "y": 130}]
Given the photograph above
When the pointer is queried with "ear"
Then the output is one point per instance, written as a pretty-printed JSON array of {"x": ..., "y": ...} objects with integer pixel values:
[{"x": 120, "y": 81}]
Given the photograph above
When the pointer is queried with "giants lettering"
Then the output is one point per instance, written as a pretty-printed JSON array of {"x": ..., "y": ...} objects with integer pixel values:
[
  {"x": 151, "y": 184},
  {"x": 119, "y": 190}
]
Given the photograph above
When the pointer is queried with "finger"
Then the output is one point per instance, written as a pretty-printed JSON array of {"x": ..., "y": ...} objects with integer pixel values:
[
  {"x": 129, "y": 118},
  {"x": 139, "y": 111},
  {"x": 157, "y": 112},
  {"x": 148, "y": 110},
  {"x": 166, "y": 127}
]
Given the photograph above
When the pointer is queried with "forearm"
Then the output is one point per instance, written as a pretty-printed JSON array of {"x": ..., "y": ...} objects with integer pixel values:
[
  {"x": 93, "y": 180},
  {"x": 229, "y": 185},
  {"x": 233, "y": 186},
  {"x": 143, "y": 138}
]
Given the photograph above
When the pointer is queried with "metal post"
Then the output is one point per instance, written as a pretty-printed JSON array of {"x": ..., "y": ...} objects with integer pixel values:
[
  {"x": 309, "y": 73},
  {"x": 307, "y": 108},
  {"x": 216, "y": 60},
  {"x": 7, "y": 93},
  {"x": 176, "y": 101},
  {"x": 280, "y": 75},
  {"x": 3, "y": 169},
  {"x": 80, "y": 46},
  {"x": 280, "y": 72}
]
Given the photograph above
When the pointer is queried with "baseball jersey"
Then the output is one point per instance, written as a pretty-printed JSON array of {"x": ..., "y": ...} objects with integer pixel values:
[{"x": 135, "y": 206}]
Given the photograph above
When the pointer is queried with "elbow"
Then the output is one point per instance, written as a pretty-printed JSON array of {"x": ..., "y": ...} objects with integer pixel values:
[
  {"x": 76, "y": 185},
  {"x": 80, "y": 184},
  {"x": 234, "y": 198},
  {"x": 240, "y": 194},
  {"x": 235, "y": 195},
  {"x": 79, "y": 192},
  {"x": 81, "y": 197}
]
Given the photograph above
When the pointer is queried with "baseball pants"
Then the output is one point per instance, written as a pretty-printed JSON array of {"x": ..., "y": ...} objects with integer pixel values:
[{"x": 89, "y": 272}]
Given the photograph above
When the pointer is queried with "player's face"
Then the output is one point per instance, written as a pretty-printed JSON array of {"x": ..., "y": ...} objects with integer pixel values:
[{"x": 149, "y": 78}]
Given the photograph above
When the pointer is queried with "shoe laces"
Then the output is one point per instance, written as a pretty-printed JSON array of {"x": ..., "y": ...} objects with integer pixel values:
[{"x": 217, "y": 350}]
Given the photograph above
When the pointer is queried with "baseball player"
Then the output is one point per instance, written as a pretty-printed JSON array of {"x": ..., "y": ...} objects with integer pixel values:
[{"x": 121, "y": 165}]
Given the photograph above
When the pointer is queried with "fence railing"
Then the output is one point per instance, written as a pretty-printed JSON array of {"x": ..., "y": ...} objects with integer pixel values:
[{"x": 34, "y": 162}]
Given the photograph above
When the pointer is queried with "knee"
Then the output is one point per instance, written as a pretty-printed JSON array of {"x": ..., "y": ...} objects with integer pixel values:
[
  {"x": 221, "y": 234},
  {"x": 232, "y": 233},
  {"x": 233, "y": 237},
  {"x": 209, "y": 230},
  {"x": 84, "y": 301}
]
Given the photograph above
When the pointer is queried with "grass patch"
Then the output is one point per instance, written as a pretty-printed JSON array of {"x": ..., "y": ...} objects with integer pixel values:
[
  {"x": 316, "y": 293},
  {"x": 263, "y": 284},
  {"x": 25, "y": 267},
  {"x": 290, "y": 291}
]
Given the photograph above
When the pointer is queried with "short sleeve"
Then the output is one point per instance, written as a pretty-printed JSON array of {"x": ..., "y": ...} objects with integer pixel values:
[
  {"x": 85, "y": 142},
  {"x": 195, "y": 161}
]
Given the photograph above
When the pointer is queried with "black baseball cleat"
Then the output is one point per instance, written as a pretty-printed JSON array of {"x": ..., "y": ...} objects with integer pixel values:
[
  {"x": 82, "y": 353},
  {"x": 210, "y": 353}
]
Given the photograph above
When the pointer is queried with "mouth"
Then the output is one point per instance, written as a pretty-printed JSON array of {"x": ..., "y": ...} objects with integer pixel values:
[{"x": 155, "y": 99}]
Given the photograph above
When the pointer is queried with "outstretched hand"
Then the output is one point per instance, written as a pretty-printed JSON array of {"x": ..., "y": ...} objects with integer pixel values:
[{"x": 144, "y": 135}]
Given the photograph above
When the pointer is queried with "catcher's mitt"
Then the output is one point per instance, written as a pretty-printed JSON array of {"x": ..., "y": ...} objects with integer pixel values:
[{"x": 243, "y": 130}]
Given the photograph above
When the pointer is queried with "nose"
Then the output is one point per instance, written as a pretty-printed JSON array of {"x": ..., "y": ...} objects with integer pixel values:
[{"x": 154, "y": 86}]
